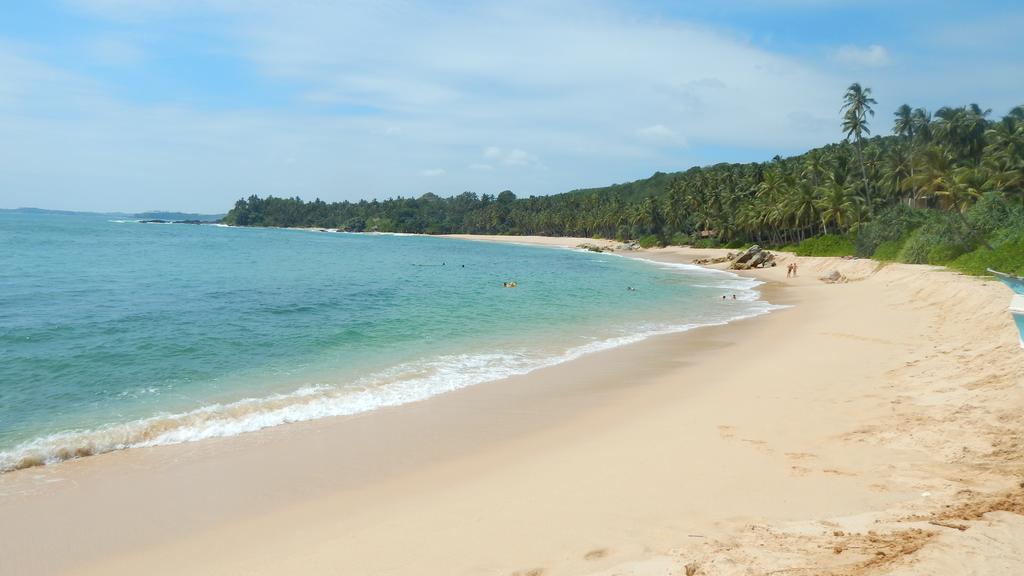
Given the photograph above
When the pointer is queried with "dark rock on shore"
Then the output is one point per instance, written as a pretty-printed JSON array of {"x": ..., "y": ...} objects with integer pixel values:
[{"x": 157, "y": 221}]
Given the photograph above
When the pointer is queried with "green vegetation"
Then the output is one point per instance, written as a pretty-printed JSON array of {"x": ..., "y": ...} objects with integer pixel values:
[
  {"x": 889, "y": 251},
  {"x": 945, "y": 189},
  {"x": 828, "y": 245},
  {"x": 1008, "y": 256},
  {"x": 649, "y": 241}
]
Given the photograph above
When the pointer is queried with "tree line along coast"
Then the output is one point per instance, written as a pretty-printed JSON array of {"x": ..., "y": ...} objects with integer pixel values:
[{"x": 944, "y": 187}]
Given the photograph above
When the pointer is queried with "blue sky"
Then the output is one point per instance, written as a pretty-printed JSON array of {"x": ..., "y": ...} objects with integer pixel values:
[{"x": 191, "y": 104}]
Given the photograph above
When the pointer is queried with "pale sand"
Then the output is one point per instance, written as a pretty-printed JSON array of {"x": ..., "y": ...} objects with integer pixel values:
[{"x": 854, "y": 433}]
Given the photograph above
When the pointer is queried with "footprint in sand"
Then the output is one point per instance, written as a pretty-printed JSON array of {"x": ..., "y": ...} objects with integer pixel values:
[
  {"x": 835, "y": 472},
  {"x": 759, "y": 444},
  {"x": 727, "y": 432},
  {"x": 534, "y": 572},
  {"x": 596, "y": 554},
  {"x": 800, "y": 470}
]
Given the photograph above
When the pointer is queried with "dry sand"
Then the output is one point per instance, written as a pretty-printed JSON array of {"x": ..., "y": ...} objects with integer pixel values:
[{"x": 873, "y": 428}]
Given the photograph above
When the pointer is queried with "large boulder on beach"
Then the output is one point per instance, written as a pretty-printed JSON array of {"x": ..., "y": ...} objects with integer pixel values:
[
  {"x": 833, "y": 277},
  {"x": 746, "y": 255},
  {"x": 753, "y": 257},
  {"x": 761, "y": 259}
]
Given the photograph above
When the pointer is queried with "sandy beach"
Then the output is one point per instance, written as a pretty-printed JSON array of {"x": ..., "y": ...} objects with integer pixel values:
[{"x": 872, "y": 427}]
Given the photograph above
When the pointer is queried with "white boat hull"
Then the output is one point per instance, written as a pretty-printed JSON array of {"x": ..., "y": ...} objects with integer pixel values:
[{"x": 1017, "y": 311}]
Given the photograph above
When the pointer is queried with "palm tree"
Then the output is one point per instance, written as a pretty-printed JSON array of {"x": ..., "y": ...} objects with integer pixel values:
[
  {"x": 814, "y": 166},
  {"x": 673, "y": 208},
  {"x": 1004, "y": 153},
  {"x": 903, "y": 126},
  {"x": 802, "y": 206},
  {"x": 962, "y": 130},
  {"x": 964, "y": 188},
  {"x": 856, "y": 108},
  {"x": 899, "y": 171},
  {"x": 934, "y": 172},
  {"x": 921, "y": 120},
  {"x": 647, "y": 216},
  {"x": 774, "y": 186},
  {"x": 837, "y": 206}
]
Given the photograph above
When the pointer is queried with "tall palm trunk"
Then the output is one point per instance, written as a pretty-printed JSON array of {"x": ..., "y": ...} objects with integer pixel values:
[
  {"x": 913, "y": 192},
  {"x": 864, "y": 174}
]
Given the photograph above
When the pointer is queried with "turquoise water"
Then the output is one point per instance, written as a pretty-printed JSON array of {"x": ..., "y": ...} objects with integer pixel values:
[{"x": 119, "y": 334}]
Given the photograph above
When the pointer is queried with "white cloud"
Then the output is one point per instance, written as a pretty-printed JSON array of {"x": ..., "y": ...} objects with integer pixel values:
[
  {"x": 431, "y": 172},
  {"x": 586, "y": 75},
  {"x": 480, "y": 167},
  {"x": 513, "y": 157},
  {"x": 870, "y": 56},
  {"x": 660, "y": 133},
  {"x": 519, "y": 157}
]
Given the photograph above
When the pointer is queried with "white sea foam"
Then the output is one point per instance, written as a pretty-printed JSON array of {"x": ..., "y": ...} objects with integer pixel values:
[{"x": 402, "y": 384}]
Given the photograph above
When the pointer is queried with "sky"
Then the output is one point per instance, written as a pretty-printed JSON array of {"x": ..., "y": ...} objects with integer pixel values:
[{"x": 188, "y": 105}]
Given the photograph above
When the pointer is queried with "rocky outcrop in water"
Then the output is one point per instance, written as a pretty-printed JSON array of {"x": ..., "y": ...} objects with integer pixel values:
[
  {"x": 622, "y": 246},
  {"x": 595, "y": 248},
  {"x": 158, "y": 221}
]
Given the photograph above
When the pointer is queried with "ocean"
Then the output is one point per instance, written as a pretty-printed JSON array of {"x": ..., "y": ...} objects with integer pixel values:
[{"x": 118, "y": 334}]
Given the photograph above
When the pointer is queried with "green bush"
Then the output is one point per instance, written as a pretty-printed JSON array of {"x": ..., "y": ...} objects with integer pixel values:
[
  {"x": 1006, "y": 256},
  {"x": 888, "y": 226},
  {"x": 942, "y": 231},
  {"x": 915, "y": 249},
  {"x": 889, "y": 251},
  {"x": 735, "y": 244},
  {"x": 649, "y": 241},
  {"x": 825, "y": 246},
  {"x": 994, "y": 212},
  {"x": 706, "y": 243},
  {"x": 679, "y": 239},
  {"x": 944, "y": 253}
]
